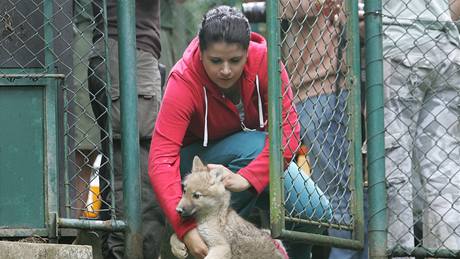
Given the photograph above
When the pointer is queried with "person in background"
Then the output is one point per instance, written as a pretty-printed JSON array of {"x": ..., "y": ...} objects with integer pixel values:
[
  {"x": 87, "y": 136},
  {"x": 314, "y": 49},
  {"x": 422, "y": 130},
  {"x": 149, "y": 96},
  {"x": 215, "y": 106}
]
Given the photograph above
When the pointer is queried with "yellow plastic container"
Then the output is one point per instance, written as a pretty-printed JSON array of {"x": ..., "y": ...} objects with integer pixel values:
[{"x": 93, "y": 203}]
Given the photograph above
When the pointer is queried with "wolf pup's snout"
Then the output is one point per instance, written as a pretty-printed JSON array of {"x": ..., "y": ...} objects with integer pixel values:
[
  {"x": 180, "y": 210},
  {"x": 184, "y": 212}
]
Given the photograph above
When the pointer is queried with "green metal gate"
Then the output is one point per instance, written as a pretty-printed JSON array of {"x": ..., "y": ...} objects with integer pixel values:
[
  {"x": 412, "y": 79},
  {"x": 327, "y": 97},
  {"x": 29, "y": 113},
  {"x": 44, "y": 51}
]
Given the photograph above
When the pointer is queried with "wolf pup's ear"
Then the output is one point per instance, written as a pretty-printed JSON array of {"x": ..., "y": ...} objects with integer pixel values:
[
  {"x": 198, "y": 165},
  {"x": 218, "y": 174}
]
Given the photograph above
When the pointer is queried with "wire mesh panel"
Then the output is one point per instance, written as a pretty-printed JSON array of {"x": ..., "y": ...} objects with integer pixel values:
[
  {"x": 34, "y": 54},
  {"x": 317, "y": 47},
  {"x": 422, "y": 98},
  {"x": 84, "y": 135},
  {"x": 54, "y": 39}
]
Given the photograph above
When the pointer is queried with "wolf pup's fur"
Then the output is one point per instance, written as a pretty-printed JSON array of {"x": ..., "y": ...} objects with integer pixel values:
[{"x": 224, "y": 231}]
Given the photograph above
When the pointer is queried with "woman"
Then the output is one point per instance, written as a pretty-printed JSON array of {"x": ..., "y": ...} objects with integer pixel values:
[{"x": 215, "y": 106}]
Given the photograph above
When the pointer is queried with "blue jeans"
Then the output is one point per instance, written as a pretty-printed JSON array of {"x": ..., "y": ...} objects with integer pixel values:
[
  {"x": 347, "y": 253},
  {"x": 323, "y": 121},
  {"x": 237, "y": 151}
]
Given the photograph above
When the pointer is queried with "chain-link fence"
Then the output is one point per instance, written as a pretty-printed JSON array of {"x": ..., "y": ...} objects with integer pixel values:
[
  {"x": 319, "y": 44},
  {"x": 421, "y": 61},
  {"x": 51, "y": 42},
  {"x": 55, "y": 41},
  {"x": 36, "y": 54},
  {"x": 179, "y": 23}
]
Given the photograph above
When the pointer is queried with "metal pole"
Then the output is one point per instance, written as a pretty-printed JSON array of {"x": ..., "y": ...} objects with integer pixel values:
[
  {"x": 376, "y": 129},
  {"x": 129, "y": 128},
  {"x": 354, "y": 81},
  {"x": 274, "y": 122},
  {"x": 87, "y": 224},
  {"x": 51, "y": 196}
]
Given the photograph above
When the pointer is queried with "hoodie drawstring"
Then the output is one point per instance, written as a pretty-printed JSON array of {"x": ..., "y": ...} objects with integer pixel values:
[
  {"x": 259, "y": 102},
  {"x": 205, "y": 133}
]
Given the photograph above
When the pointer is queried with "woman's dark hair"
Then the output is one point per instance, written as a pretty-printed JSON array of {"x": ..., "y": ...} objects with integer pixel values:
[{"x": 224, "y": 24}]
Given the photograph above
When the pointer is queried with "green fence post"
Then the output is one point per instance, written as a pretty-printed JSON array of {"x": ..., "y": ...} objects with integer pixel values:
[
  {"x": 129, "y": 127},
  {"x": 376, "y": 138},
  {"x": 274, "y": 123},
  {"x": 51, "y": 195},
  {"x": 354, "y": 81}
]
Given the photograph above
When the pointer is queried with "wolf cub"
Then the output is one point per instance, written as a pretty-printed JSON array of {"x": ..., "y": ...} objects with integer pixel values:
[{"x": 226, "y": 233}]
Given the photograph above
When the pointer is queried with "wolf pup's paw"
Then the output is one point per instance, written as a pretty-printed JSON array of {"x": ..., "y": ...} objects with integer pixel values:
[{"x": 178, "y": 248}]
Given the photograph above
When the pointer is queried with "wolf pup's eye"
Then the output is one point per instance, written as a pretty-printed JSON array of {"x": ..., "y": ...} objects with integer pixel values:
[{"x": 196, "y": 195}]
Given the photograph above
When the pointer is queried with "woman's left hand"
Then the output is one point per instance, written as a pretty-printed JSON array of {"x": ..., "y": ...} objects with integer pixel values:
[{"x": 232, "y": 181}]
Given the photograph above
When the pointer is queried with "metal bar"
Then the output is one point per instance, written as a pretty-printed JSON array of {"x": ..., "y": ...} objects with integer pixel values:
[
  {"x": 354, "y": 81},
  {"x": 67, "y": 202},
  {"x": 129, "y": 127},
  {"x": 34, "y": 76},
  {"x": 375, "y": 128},
  {"x": 52, "y": 138},
  {"x": 321, "y": 240},
  {"x": 51, "y": 168},
  {"x": 48, "y": 34},
  {"x": 274, "y": 122},
  {"x": 424, "y": 252},
  {"x": 108, "y": 90},
  {"x": 319, "y": 223},
  {"x": 106, "y": 225}
]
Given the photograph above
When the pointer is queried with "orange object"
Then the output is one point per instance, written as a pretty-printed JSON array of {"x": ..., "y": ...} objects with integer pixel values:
[
  {"x": 93, "y": 203},
  {"x": 303, "y": 150},
  {"x": 302, "y": 160}
]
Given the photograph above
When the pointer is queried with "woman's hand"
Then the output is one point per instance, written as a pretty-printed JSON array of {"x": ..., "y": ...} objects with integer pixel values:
[
  {"x": 195, "y": 244},
  {"x": 232, "y": 181}
]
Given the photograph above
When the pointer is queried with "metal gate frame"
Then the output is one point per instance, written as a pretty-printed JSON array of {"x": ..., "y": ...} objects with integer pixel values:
[{"x": 277, "y": 213}]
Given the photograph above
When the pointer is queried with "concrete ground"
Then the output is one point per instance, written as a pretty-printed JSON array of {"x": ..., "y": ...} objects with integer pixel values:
[{"x": 20, "y": 250}]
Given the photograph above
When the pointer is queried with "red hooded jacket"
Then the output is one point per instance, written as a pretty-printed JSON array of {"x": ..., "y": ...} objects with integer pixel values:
[{"x": 194, "y": 109}]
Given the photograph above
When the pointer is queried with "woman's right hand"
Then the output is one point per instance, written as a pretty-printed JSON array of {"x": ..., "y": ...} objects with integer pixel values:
[{"x": 195, "y": 244}]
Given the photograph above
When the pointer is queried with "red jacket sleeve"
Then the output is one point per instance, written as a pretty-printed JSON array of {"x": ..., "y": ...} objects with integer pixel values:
[
  {"x": 257, "y": 172},
  {"x": 164, "y": 157}
]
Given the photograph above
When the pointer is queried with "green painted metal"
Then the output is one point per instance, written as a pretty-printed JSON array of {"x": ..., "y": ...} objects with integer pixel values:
[
  {"x": 28, "y": 99},
  {"x": 109, "y": 108},
  {"x": 274, "y": 122},
  {"x": 67, "y": 184},
  {"x": 375, "y": 128},
  {"x": 51, "y": 145},
  {"x": 48, "y": 35},
  {"x": 108, "y": 225},
  {"x": 129, "y": 127},
  {"x": 277, "y": 217},
  {"x": 354, "y": 106},
  {"x": 51, "y": 154},
  {"x": 424, "y": 252},
  {"x": 22, "y": 164},
  {"x": 322, "y": 240}
]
